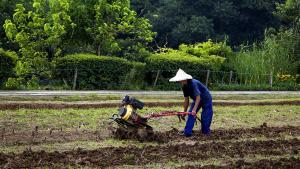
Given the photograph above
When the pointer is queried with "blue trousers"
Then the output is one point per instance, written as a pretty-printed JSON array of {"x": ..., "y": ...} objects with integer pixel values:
[{"x": 206, "y": 118}]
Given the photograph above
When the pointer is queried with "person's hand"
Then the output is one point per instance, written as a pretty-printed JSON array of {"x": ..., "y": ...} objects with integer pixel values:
[{"x": 194, "y": 113}]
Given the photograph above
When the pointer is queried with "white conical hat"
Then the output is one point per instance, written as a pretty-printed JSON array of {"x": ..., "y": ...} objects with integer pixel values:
[{"x": 180, "y": 75}]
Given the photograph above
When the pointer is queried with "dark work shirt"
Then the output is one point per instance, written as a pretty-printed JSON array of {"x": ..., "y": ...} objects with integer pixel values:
[{"x": 196, "y": 88}]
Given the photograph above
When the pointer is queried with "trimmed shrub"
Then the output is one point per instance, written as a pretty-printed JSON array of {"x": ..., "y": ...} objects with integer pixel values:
[
  {"x": 8, "y": 61},
  {"x": 169, "y": 61},
  {"x": 135, "y": 77},
  {"x": 173, "y": 59},
  {"x": 93, "y": 72},
  {"x": 207, "y": 49}
]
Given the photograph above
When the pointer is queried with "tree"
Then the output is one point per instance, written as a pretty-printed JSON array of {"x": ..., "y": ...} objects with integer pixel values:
[
  {"x": 197, "y": 28},
  {"x": 289, "y": 11},
  {"x": 39, "y": 33},
  {"x": 240, "y": 20},
  {"x": 82, "y": 13},
  {"x": 7, "y": 10},
  {"x": 117, "y": 30}
]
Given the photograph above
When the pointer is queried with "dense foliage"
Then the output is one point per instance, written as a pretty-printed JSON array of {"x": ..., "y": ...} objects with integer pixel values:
[
  {"x": 139, "y": 43},
  {"x": 109, "y": 28},
  {"x": 190, "y": 21},
  {"x": 207, "y": 49},
  {"x": 38, "y": 32},
  {"x": 278, "y": 54},
  {"x": 7, "y": 63},
  {"x": 176, "y": 22}
]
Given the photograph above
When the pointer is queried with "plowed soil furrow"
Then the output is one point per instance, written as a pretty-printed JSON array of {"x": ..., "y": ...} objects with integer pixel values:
[
  {"x": 42, "y": 137},
  {"x": 13, "y": 106},
  {"x": 262, "y": 131},
  {"x": 282, "y": 163},
  {"x": 25, "y": 138},
  {"x": 113, "y": 156}
]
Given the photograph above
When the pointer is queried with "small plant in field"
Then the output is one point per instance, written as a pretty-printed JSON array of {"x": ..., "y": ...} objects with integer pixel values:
[{"x": 128, "y": 157}]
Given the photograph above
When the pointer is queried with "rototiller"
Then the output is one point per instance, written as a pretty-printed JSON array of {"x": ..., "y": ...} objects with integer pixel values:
[{"x": 129, "y": 121}]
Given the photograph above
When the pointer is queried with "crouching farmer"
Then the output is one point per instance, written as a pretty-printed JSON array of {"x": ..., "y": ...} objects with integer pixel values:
[{"x": 201, "y": 99}]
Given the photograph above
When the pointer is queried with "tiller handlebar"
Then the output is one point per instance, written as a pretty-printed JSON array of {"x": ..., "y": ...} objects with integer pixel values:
[{"x": 168, "y": 113}]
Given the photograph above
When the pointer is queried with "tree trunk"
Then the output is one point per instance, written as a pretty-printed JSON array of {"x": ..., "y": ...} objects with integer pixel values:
[
  {"x": 98, "y": 50},
  {"x": 51, "y": 52}
]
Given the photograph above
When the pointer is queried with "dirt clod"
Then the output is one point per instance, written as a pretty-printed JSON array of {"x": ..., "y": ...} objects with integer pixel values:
[{"x": 264, "y": 125}]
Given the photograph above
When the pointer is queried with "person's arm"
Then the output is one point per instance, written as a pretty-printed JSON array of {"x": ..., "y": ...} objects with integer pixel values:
[
  {"x": 185, "y": 107},
  {"x": 186, "y": 104},
  {"x": 197, "y": 102}
]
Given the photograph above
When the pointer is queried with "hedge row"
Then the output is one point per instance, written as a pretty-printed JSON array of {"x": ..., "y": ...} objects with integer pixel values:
[
  {"x": 174, "y": 59},
  {"x": 100, "y": 72},
  {"x": 170, "y": 60},
  {"x": 105, "y": 72}
]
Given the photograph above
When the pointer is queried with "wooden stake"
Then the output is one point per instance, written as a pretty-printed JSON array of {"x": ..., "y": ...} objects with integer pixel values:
[
  {"x": 75, "y": 79},
  {"x": 271, "y": 80},
  {"x": 156, "y": 78},
  {"x": 230, "y": 77},
  {"x": 207, "y": 78}
]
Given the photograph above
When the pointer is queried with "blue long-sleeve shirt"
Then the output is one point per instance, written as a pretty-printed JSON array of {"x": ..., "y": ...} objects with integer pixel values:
[{"x": 196, "y": 88}]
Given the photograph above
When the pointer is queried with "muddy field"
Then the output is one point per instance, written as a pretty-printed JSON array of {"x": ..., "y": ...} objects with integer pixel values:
[
  {"x": 113, "y": 156},
  {"x": 57, "y": 136},
  {"x": 14, "y": 106},
  {"x": 233, "y": 144},
  {"x": 245, "y": 134}
]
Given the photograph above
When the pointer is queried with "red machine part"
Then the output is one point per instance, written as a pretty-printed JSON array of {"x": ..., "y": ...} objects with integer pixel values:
[{"x": 168, "y": 113}]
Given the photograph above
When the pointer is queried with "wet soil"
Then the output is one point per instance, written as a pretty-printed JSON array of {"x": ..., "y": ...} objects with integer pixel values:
[
  {"x": 282, "y": 163},
  {"x": 13, "y": 106},
  {"x": 26, "y": 138},
  {"x": 55, "y": 136},
  {"x": 221, "y": 134},
  {"x": 131, "y": 155}
]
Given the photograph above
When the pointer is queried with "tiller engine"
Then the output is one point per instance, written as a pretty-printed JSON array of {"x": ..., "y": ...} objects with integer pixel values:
[{"x": 130, "y": 123}]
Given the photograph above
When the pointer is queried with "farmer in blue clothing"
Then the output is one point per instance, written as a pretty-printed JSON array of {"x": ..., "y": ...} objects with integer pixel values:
[{"x": 201, "y": 99}]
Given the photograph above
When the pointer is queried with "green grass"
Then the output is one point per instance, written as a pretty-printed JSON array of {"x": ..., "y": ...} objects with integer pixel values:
[
  {"x": 73, "y": 145},
  {"x": 251, "y": 116},
  {"x": 94, "y": 119},
  {"x": 217, "y": 161},
  {"x": 256, "y": 96},
  {"x": 241, "y": 116},
  {"x": 47, "y": 118},
  {"x": 118, "y": 98}
]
